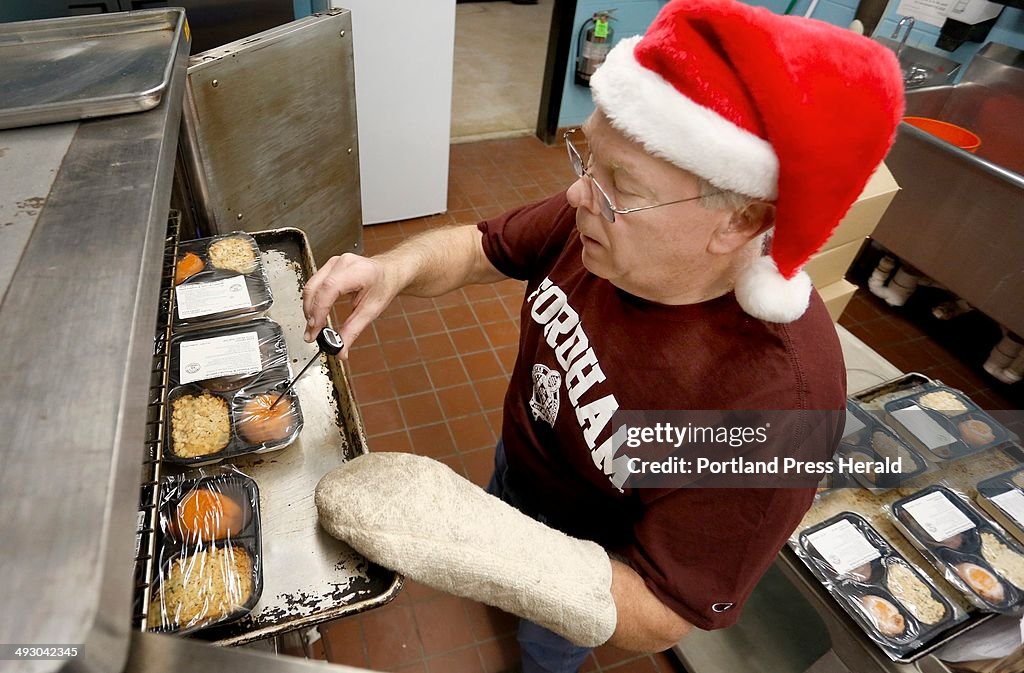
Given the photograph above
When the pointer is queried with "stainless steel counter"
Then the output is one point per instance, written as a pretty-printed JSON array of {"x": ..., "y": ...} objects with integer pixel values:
[{"x": 83, "y": 216}]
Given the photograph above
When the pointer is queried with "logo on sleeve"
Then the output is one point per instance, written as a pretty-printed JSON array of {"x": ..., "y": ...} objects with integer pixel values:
[
  {"x": 544, "y": 402},
  {"x": 721, "y": 607}
]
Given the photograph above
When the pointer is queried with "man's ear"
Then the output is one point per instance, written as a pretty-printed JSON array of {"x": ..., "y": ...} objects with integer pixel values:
[{"x": 744, "y": 224}]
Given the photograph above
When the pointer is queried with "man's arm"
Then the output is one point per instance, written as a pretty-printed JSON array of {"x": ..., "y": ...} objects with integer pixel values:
[
  {"x": 426, "y": 265},
  {"x": 645, "y": 624}
]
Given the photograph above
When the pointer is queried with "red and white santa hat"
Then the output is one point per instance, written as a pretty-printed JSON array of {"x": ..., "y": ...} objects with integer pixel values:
[{"x": 781, "y": 108}]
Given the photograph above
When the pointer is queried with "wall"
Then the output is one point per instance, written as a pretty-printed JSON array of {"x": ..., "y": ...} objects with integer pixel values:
[
  {"x": 632, "y": 18},
  {"x": 635, "y": 15}
]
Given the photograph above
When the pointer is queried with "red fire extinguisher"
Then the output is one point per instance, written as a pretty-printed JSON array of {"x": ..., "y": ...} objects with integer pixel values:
[{"x": 593, "y": 43}]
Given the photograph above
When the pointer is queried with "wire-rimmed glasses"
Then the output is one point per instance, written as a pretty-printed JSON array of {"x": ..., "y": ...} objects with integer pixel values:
[{"x": 605, "y": 205}]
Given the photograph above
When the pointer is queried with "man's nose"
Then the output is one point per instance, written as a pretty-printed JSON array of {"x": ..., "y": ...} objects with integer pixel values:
[{"x": 581, "y": 195}]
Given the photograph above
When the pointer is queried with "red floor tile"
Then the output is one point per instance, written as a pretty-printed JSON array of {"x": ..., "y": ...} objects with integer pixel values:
[
  {"x": 418, "y": 667},
  {"x": 470, "y": 339},
  {"x": 443, "y": 625},
  {"x": 492, "y": 392},
  {"x": 366, "y": 357},
  {"x": 456, "y": 317},
  {"x": 490, "y": 310},
  {"x": 434, "y": 347},
  {"x": 421, "y": 409},
  {"x": 447, "y": 372},
  {"x": 458, "y": 401},
  {"x": 417, "y": 593},
  {"x": 490, "y": 622},
  {"x": 343, "y": 642},
  {"x": 391, "y": 637},
  {"x": 499, "y": 655},
  {"x": 391, "y": 329},
  {"x": 373, "y": 387},
  {"x": 400, "y": 353},
  {"x": 411, "y": 380},
  {"x": 461, "y": 661},
  {"x": 482, "y": 365},
  {"x": 433, "y": 441},
  {"x": 426, "y": 322},
  {"x": 382, "y": 417},
  {"x": 393, "y": 441},
  {"x": 472, "y": 432},
  {"x": 479, "y": 465}
]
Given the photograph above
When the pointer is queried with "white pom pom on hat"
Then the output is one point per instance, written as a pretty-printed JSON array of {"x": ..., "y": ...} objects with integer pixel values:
[
  {"x": 775, "y": 107},
  {"x": 763, "y": 293}
]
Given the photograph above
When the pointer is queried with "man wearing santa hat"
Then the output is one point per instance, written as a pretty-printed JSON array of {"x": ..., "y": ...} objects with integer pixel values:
[{"x": 720, "y": 157}]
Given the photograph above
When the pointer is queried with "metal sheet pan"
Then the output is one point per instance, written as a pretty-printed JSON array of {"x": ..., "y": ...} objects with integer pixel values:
[
  {"x": 57, "y": 70},
  {"x": 309, "y": 577}
]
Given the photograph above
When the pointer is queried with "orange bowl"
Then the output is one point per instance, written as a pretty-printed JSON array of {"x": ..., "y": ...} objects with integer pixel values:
[{"x": 951, "y": 133}]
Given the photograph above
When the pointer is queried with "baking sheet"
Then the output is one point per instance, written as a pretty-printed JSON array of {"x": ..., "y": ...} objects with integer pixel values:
[
  {"x": 309, "y": 577},
  {"x": 64, "y": 69}
]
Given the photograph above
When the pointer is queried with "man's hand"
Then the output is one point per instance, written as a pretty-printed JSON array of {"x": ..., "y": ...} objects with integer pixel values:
[
  {"x": 367, "y": 280},
  {"x": 426, "y": 265},
  {"x": 645, "y": 624}
]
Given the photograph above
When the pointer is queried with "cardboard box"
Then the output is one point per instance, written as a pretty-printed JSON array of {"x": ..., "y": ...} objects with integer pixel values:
[
  {"x": 836, "y": 296},
  {"x": 866, "y": 212},
  {"x": 828, "y": 266}
]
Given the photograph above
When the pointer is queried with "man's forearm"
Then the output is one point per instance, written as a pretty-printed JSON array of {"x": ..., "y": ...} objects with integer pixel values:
[
  {"x": 645, "y": 624},
  {"x": 439, "y": 261}
]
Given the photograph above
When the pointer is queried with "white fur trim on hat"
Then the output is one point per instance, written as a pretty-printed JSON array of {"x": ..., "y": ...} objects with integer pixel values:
[
  {"x": 641, "y": 104},
  {"x": 765, "y": 294}
]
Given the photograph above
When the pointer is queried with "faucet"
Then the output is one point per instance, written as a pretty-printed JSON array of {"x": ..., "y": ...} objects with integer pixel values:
[{"x": 909, "y": 22}]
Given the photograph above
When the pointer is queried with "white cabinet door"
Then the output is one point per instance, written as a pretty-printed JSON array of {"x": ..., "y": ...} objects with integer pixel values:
[{"x": 403, "y": 63}]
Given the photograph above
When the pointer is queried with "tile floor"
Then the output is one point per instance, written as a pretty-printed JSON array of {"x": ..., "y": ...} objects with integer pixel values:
[
  {"x": 498, "y": 73},
  {"x": 430, "y": 377}
]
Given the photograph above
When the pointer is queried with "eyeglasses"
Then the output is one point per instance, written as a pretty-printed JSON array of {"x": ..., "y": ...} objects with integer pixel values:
[{"x": 608, "y": 210}]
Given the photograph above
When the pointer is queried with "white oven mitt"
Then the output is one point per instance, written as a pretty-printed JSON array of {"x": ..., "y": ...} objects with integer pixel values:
[{"x": 419, "y": 518}]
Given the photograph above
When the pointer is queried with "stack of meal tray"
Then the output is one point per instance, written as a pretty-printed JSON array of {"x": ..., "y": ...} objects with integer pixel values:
[
  {"x": 236, "y": 553},
  {"x": 932, "y": 547}
]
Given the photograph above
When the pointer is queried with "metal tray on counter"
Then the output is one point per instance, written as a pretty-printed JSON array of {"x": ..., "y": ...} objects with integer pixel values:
[
  {"x": 962, "y": 475},
  {"x": 58, "y": 70},
  {"x": 309, "y": 577}
]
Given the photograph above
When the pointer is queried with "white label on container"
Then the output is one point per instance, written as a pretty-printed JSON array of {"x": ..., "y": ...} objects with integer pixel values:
[
  {"x": 231, "y": 355},
  {"x": 215, "y": 296},
  {"x": 938, "y": 516},
  {"x": 1011, "y": 502},
  {"x": 843, "y": 546},
  {"x": 853, "y": 424},
  {"x": 921, "y": 425}
]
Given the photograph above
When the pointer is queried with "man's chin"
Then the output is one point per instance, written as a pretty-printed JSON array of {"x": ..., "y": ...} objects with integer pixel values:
[{"x": 592, "y": 265}]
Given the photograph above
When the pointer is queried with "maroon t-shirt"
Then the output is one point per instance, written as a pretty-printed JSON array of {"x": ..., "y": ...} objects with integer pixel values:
[{"x": 587, "y": 347}]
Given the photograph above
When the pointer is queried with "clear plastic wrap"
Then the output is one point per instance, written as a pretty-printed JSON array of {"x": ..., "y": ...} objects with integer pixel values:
[
  {"x": 1002, "y": 498},
  {"x": 945, "y": 422},
  {"x": 209, "y": 552},
  {"x": 218, "y": 279},
  {"x": 972, "y": 552},
  {"x": 866, "y": 439},
  {"x": 223, "y": 383},
  {"x": 891, "y": 599}
]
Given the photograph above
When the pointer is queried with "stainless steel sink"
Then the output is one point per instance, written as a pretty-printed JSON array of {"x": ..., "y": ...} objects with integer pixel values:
[
  {"x": 959, "y": 217},
  {"x": 921, "y": 68}
]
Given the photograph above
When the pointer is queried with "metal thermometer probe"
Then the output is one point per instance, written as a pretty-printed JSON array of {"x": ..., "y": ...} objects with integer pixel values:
[{"x": 329, "y": 342}]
